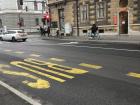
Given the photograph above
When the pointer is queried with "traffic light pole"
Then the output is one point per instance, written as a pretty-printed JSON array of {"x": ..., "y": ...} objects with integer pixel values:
[{"x": 19, "y": 17}]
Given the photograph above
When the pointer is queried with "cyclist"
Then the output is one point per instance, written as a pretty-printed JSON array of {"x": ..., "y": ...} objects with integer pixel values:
[{"x": 94, "y": 30}]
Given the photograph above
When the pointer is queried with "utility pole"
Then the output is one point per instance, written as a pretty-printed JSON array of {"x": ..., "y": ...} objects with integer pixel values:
[
  {"x": 20, "y": 3},
  {"x": 77, "y": 7}
]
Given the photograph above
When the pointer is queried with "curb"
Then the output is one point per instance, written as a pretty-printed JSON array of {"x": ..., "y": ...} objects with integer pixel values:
[{"x": 101, "y": 40}]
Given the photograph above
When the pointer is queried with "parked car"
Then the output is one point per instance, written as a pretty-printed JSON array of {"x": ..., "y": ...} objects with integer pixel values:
[{"x": 13, "y": 35}]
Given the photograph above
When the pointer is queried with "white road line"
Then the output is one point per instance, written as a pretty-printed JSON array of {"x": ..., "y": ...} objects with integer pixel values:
[
  {"x": 68, "y": 43},
  {"x": 34, "y": 55},
  {"x": 104, "y": 48},
  {"x": 74, "y": 42},
  {"x": 21, "y": 95},
  {"x": 57, "y": 59}
]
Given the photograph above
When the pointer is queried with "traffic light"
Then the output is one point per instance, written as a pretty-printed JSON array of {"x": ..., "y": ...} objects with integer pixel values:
[
  {"x": 46, "y": 17},
  {"x": 21, "y": 2}
]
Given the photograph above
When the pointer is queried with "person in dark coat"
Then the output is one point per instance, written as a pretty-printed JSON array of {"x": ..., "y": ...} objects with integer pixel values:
[
  {"x": 42, "y": 31},
  {"x": 94, "y": 30},
  {"x": 48, "y": 31},
  {"x": 57, "y": 33}
]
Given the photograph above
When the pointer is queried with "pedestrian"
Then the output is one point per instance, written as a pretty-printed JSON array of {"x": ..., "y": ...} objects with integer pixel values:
[
  {"x": 42, "y": 30},
  {"x": 94, "y": 30},
  {"x": 57, "y": 32},
  {"x": 48, "y": 31}
]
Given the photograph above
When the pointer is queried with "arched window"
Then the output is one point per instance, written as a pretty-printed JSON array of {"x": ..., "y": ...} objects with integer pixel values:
[{"x": 123, "y": 3}]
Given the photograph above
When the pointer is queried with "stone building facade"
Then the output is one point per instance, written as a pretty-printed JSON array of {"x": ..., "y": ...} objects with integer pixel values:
[
  {"x": 27, "y": 16},
  {"x": 112, "y": 16}
]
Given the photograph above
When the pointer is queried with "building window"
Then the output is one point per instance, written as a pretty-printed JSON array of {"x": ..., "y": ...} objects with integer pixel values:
[
  {"x": 43, "y": 6},
  {"x": 36, "y": 21},
  {"x": 100, "y": 9},
  {"x": 35, "y": 6},
  {"x": 84, "y": 13}
]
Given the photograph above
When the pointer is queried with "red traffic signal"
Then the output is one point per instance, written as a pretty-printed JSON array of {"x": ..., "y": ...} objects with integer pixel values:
[{"x": 46, "y": 16}]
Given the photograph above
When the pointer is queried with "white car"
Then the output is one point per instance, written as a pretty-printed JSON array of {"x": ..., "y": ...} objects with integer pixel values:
[{"x": 13, "y": 35}]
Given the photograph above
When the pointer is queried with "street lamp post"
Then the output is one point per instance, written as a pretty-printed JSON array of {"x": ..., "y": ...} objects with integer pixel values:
[{"x": 77, "y": 7}]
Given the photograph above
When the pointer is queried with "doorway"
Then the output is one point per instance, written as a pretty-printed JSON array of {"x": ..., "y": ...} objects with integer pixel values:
[
  {"x": 123, "y": 22},
  {"x": 61, "y": 19}
]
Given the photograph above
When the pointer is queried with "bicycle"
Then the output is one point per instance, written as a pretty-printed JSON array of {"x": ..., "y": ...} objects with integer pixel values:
[{"x": 93, "y": 36}]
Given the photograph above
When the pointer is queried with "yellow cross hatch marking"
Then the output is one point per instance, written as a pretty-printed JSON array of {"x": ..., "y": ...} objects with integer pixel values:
[
  {"x": 132, "y": 74},
  {"x": 20, "y": 64},
  {"x": 57, "y": 59},
  {"x": 51, "y": 71},
  {"x": 56, "y": 66},
  {"x": 90, "y": 66}
]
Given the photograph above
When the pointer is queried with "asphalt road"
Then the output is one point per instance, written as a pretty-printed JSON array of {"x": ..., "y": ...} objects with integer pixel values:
[{"x": 58, "y": 72}]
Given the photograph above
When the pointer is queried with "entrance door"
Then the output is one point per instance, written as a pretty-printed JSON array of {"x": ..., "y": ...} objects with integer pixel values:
[
  {"x": 123, "y": 25},
  {"x": 61, "y": 19}
]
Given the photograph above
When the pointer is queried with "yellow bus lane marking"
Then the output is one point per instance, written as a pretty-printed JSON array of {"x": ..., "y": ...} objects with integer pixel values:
[
  {"x": 56, "y": 66},
  {"x": 34, "y": 55},
  {"x": 19, "y": 52},
  {"x": 20, "y": 64},
  {"x": 39, "y": 84},
  {"x": 7, "y": 50},
  {"x": 90, "y": 66},
  {"x": 132, "y": 74},
  {"x": 57, "y": 59},
  {"x": 50, "y": 71}
]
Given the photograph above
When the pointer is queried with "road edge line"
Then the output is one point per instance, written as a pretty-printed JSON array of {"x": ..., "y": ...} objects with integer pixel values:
[{"x": 18, "y": 93}]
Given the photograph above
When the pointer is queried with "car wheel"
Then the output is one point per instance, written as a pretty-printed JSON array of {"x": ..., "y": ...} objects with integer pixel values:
[
  {"x": 23, "y": 40},
  {"x": 1, "y": 38},
  {"x": 13, "y": 39}
]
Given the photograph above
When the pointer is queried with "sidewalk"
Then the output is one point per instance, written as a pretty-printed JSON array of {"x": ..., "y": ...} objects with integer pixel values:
[{"x": 133, "y": 39}]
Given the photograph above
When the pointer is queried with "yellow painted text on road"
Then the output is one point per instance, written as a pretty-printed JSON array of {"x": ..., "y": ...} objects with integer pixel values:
[
  {"x": 132, "y": 74},
  {"x": 38, "y": 84},
  {"x": 50, "y": 71},
  {"x": 90, "y": 66},
  {"x": 28, "y": 67},
  {"x": 56, "y": 66}
]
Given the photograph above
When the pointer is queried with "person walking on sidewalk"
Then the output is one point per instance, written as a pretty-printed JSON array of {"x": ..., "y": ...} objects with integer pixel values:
[
  {"x": 57, "y": 33},
  {"x": 48, "y": 31}
]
